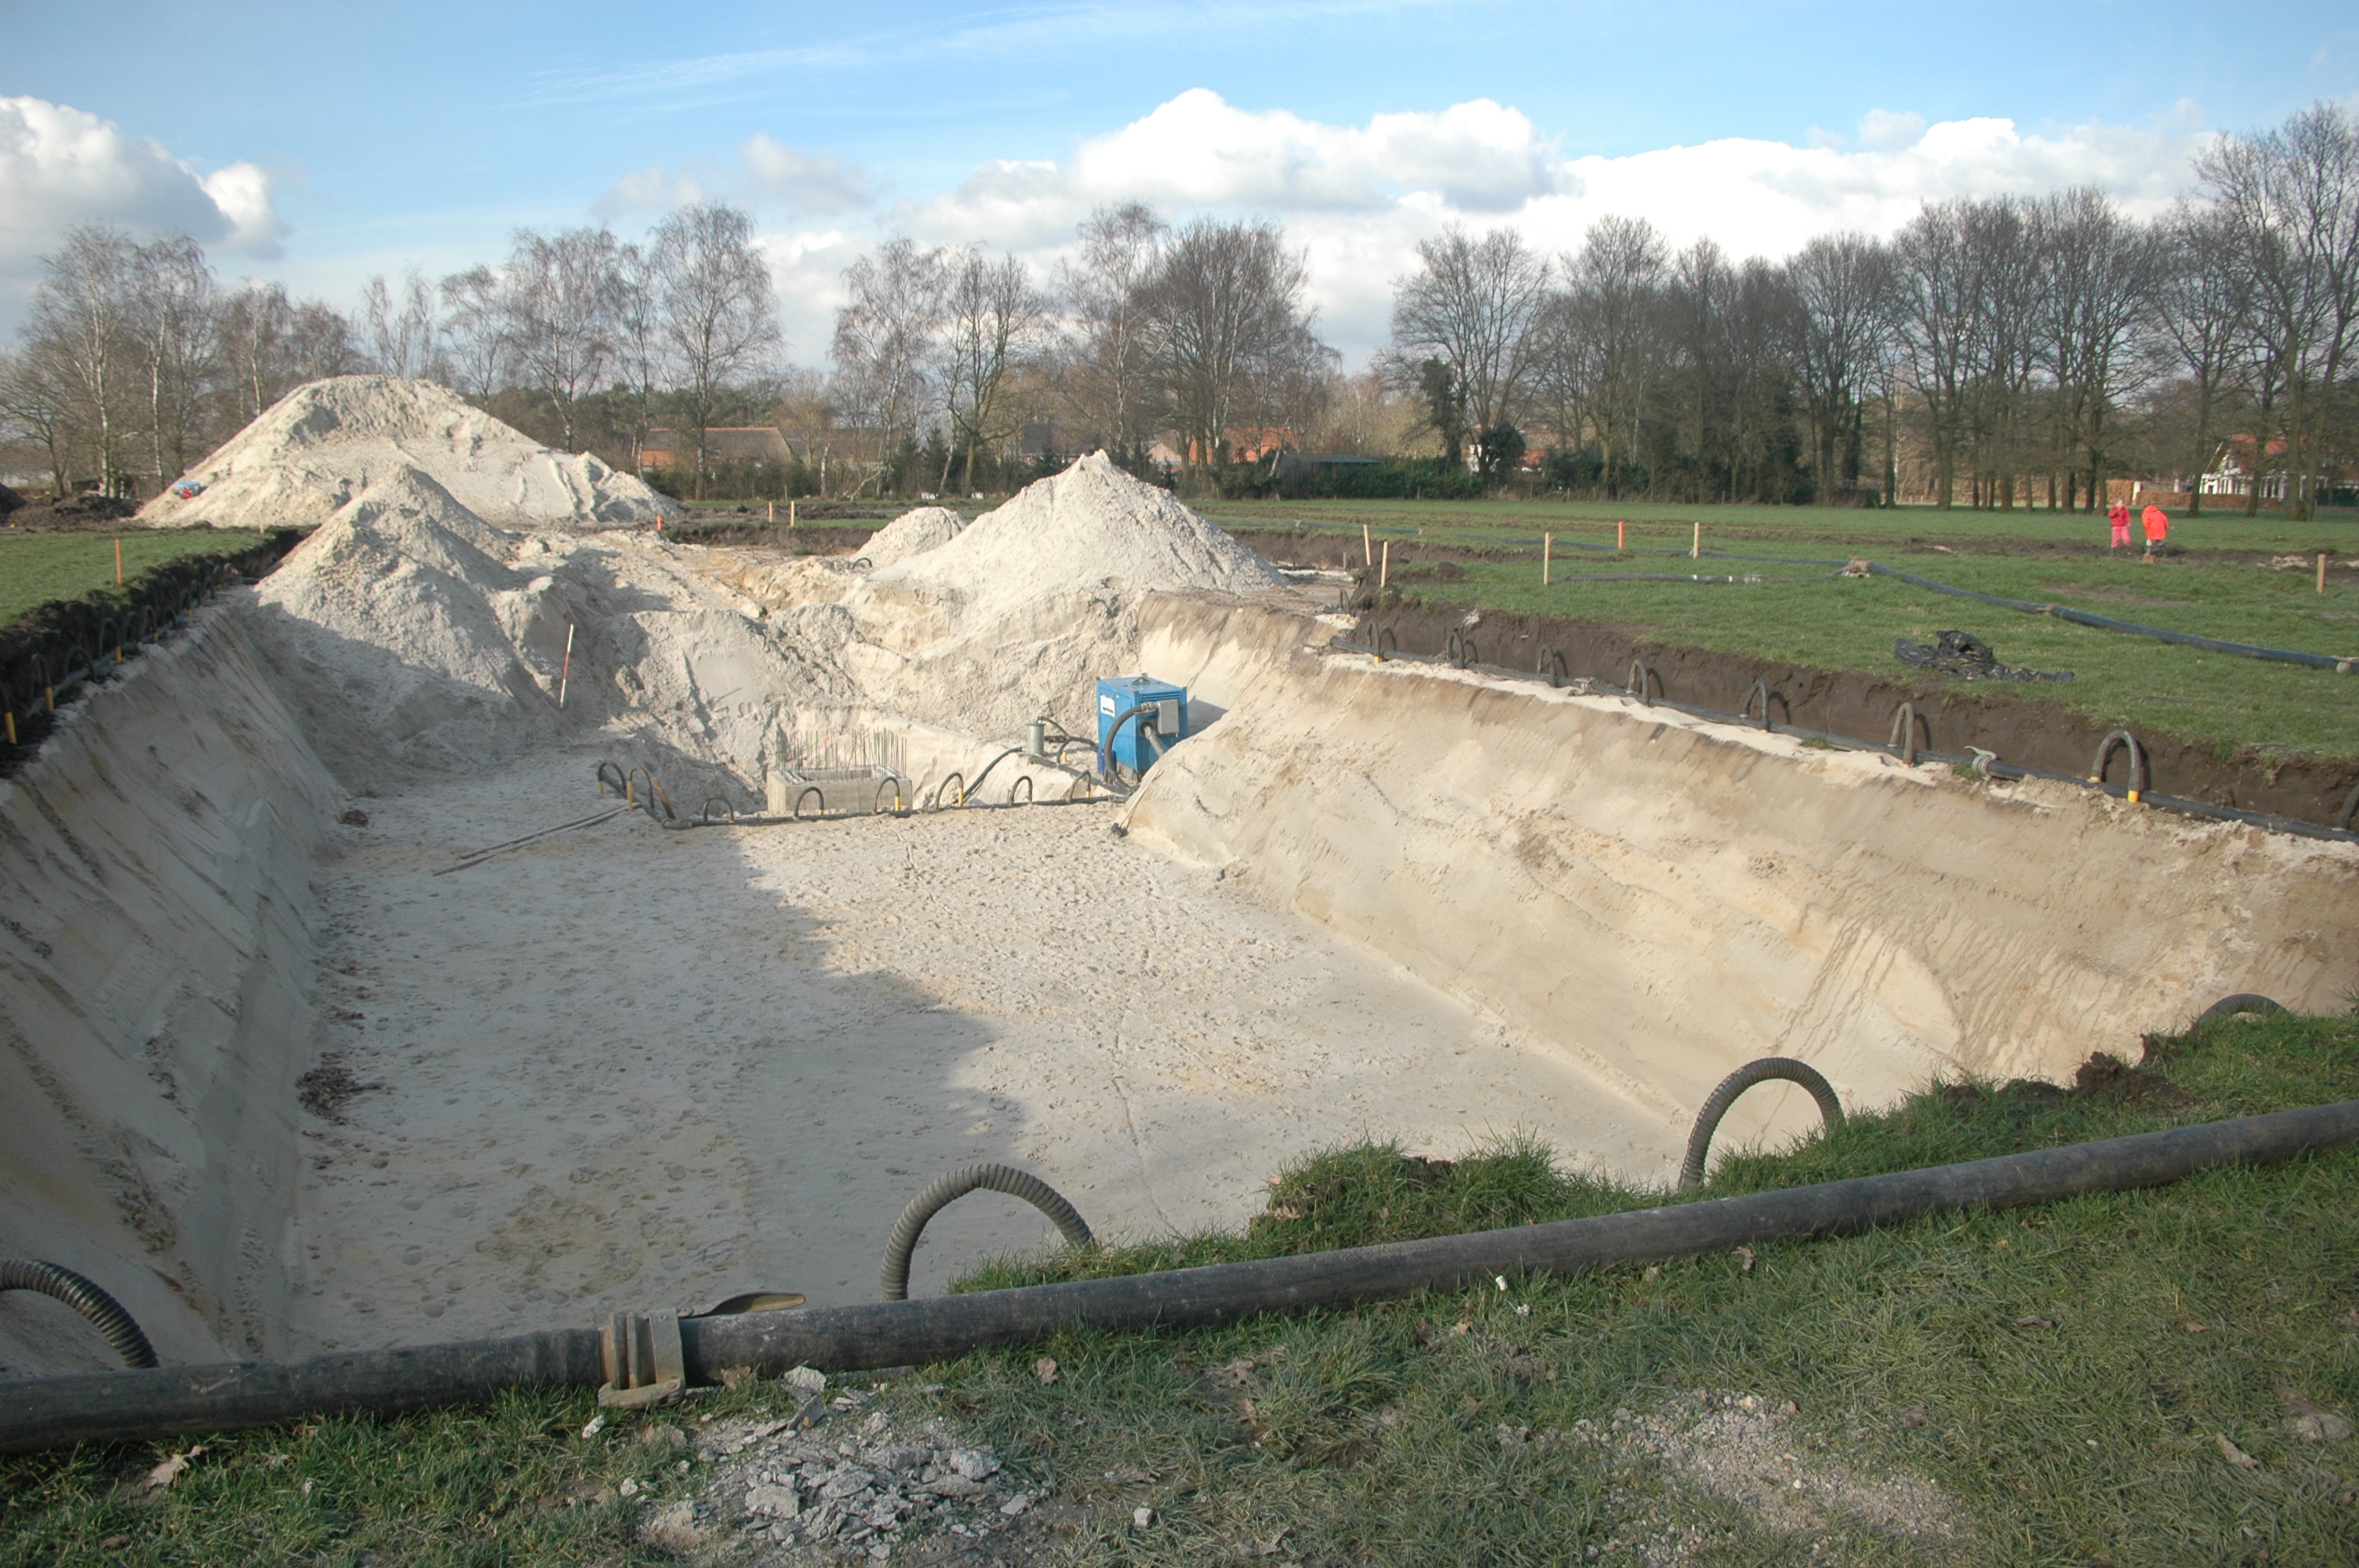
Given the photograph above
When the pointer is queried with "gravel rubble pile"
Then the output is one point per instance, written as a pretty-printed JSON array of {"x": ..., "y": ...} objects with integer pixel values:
[{"x": 830, "y": 1484}]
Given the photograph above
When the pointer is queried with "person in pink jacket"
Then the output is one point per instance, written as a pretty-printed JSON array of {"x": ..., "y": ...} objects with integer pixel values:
[{"x": 2119, "y": 515}]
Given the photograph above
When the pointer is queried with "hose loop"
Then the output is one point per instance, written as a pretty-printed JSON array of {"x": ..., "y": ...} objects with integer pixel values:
[
  {"x": 102, "y": 1311},
  {"x": 1761, "y": 689},
  {"x": 705, "y": 811},
  {"x": 2243, "y": 1001},
  {"x": 1552, "y": 664},
  {"x": 2350, "y": 803},
  {"x": 948, "y": 1189},
  {"x": 1904, "y": 733},
  {"x": 611, "y": 773},
  {"x": 1640, "y": 673},
  {"x": 894, "y": 782},
  {"x": 1384, "y": 632},
  {"x": 2114, "y": 738},
  {"x": 811, "y": 790},
  {"x": 1731, "y": 1088},
  {"x": 1024, "y": 781}
]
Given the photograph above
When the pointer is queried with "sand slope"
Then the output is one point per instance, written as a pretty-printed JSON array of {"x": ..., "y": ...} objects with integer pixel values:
[{"x": 311, "y": 452}]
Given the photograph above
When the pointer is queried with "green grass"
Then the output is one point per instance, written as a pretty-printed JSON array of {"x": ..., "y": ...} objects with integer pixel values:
[
  {"x": 38, "y": 568},
  {"x": 1804, "y": 617},
  {"x": 1451, "y": 1429},
  {"x": 1800, "y": 615},
  {"x": 1670, "y": 525}
]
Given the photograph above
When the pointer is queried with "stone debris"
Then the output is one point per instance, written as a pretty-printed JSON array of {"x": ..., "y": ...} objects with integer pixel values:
[
  {"x": 1746, "y": 1450},
  {"x": 859, "y": 1486}
]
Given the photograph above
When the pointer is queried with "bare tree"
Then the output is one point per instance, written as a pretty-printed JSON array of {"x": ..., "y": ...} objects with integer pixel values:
[
  {"x": 258, "y": 322},
  {"x": 320, "y": 343},
  {"x": 174, "y": 323},
  {"x": 400, "y": 327},
  {"x": 561, "y": 294},
  {"x": 1106, "y": 371},
  {"x": 1231, "y": 336},
  {"x": 2291, "y": 198},
  {"x": 638, "y": 338},
  {"x": 37, "y": 408},
  {"x": 1609, "y": 327},
  {"x": 2097, "y": 293},
  {"x": 1843, "y": 283},
  {"x": 475, "y": 330},
  {"x": 718, "y": 313},
  {"x": 80, "y": 309},
  {"x": 1472, "y": 304},
  {"x": 992, "y": 319},
  {"x": 885, "y": 340},
  {"x": 1939, "y": 301},
  {"x": 2202, "y": 299}
]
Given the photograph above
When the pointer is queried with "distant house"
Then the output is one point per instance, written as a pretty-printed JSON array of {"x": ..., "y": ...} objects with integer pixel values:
[
  {"x": 1247, "y": 443},
  {"x": 763, "y": 445},
  {"x": 2231, "y": 471}
]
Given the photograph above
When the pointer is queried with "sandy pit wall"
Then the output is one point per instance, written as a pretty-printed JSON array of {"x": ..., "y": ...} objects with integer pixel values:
[
  {"x": 155, "y": 1003},
  {"x": 1669, "y": 898}
]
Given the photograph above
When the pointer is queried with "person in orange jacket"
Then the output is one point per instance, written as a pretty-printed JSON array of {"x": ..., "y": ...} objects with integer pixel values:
[
  {"x": 2158, "y": 528},
  {"x": 2119, "y": 514}
]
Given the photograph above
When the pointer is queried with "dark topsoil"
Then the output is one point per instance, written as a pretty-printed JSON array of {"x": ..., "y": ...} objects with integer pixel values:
[{"x": 1952, "y": 715}]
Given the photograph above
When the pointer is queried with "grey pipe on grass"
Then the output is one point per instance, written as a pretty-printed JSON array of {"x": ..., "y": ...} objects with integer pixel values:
[{"x": 115, "y": 1407}]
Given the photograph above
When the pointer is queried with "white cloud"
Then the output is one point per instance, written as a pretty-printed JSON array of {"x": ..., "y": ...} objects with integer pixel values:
[
  {"x": 1359, "y": 198},
  {"x": 59, "y": 166},
  {"x": 767, "y": 175}
]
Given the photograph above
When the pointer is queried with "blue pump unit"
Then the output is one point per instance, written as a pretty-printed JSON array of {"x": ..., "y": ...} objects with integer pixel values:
[{"x": 1166, "y": 715}]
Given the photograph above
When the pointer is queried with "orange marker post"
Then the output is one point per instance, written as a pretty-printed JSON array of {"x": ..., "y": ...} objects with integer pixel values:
[
  {"x": 118, "y": 564},
  {"x": 1621, "y": 540}
]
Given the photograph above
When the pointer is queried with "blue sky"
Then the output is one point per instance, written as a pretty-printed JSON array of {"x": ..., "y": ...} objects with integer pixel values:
[{"x": 333, "y": 141}]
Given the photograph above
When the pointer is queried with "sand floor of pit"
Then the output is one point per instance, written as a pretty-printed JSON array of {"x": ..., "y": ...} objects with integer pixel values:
[{"x": 627, "y": 1068}]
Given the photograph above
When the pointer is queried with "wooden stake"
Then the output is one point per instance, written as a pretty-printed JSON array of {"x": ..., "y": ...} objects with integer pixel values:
[
  {"x": 1367, "y": 549},
  {"x": 1695, "y": 551},
  {"x": 1548, "y": 547},
  {"x": 1385, "y": 571},
  {"x": 565, "y": 673},
  {"x": 790, "y": 512},
  {"x": 2322, "y": 571},
  {"x": 773, "y": 512},
  {"x": 12, "y": 727}
]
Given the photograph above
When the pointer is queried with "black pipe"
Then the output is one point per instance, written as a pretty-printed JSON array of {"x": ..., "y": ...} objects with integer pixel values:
[
  {"x": 101, "y": 1311},
  {"x": 122, "y": 1406}
]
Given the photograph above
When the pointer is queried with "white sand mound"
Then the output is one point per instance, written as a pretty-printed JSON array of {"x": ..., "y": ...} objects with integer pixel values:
[
  {"x": 320, "y": 446},
  {"x": 412, "y": 635},
  {"x": 1091, "y": 528},
  {"x": 912, "y": 534}
]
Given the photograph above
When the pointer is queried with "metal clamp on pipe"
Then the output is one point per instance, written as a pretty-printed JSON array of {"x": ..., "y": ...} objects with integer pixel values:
[{"x": 644, "y": 1361}]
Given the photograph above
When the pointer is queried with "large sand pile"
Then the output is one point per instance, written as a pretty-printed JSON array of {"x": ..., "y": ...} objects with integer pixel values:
[
  {"x": 412, "y": 634},
  {"x": 1091, "y": 528},
  {"x": 912, "y": 534},
  {"x": 320, "y": 446}
]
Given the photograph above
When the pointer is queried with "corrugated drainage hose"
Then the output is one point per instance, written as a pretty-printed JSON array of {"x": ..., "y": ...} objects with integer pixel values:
[
  {"x": 114, "y": 1407},
  {"x": 1707, "y": 1121},
  {"x": 949, "y": 1189},
  {"x": 103, "y": 1311},
  {"x": 2243, "y": 1001}
]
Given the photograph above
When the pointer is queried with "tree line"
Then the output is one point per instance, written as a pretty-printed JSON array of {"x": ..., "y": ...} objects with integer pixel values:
[
  {"x": 2011, "y": 345},
  {"x": 1994, "y": 352}
]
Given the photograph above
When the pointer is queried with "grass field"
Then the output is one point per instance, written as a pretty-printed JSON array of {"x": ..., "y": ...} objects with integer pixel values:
[
  {"x": 2134, "y": 1379},
  {"x": 1668, "y": 524},
  {"x": 1801, "y": 613},
  {"x": 38, "y": 568}
]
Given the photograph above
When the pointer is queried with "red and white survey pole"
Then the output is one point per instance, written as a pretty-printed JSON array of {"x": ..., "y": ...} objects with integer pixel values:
[{"x": 566, "y": 672}]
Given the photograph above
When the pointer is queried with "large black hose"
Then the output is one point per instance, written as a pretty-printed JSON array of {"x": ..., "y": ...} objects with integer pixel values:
[
  {"x": 2107, "y": 623},
  {"x": 949, "y": 1189},
  {"x": 102, "y": 1311},
  {"x": 123, "y": 1406},
  {"x": 1716, "y": 1104}
]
